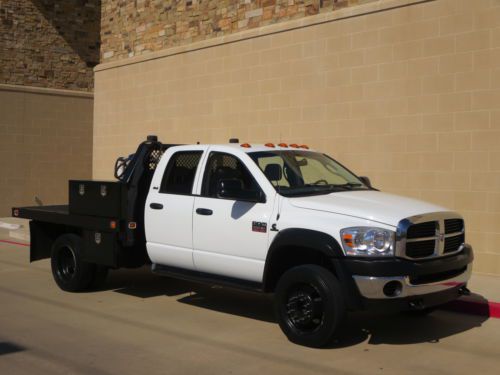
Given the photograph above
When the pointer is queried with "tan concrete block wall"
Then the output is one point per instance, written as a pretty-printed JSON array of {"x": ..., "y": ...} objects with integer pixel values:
[
  {"x": 45, "y": 139},
  {"x": 408, "y": 96}
]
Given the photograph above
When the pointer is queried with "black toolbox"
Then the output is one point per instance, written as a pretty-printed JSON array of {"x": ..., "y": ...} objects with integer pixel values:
[{"x": 98, "y": 198}]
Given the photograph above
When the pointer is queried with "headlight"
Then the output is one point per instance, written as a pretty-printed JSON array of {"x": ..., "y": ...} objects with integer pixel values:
[{"x": 367, "y": 241}]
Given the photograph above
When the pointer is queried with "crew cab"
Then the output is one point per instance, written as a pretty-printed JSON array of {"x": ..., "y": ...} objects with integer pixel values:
[{"x": 280, "y": 219}]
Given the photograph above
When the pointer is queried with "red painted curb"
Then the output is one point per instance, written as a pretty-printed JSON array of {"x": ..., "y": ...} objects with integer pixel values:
[
  {"x": 482, "y": 308},
  {"x": 14, "y": 243}
]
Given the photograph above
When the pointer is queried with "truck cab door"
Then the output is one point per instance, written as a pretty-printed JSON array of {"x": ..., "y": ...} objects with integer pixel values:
[
  {"x": 169, "y": 208},
  {"x": 230, "y": 236}
]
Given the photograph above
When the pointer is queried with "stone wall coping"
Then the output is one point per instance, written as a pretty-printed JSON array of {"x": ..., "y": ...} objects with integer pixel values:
[
  {"x": 46, "y": 91},
  {"x": 318, "y": 19}
]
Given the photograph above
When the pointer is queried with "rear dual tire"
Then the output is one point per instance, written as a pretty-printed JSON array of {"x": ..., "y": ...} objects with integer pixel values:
[
  {"x": 70, "y": 272},
  {"x": 309, "y": 305}
]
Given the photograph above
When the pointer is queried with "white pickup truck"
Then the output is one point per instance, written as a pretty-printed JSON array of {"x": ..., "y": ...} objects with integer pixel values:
[{"x": 279, "y": 219}]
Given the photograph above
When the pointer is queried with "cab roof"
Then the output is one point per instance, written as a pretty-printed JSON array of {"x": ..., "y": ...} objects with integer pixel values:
[{"x": 259, "y": 147}]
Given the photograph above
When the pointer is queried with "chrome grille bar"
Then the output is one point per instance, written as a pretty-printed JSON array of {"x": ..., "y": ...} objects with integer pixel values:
[{"x": 438, "y": 238}]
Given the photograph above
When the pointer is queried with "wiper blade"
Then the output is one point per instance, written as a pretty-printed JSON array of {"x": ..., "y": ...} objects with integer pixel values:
[{"x": 347, "y": 185}]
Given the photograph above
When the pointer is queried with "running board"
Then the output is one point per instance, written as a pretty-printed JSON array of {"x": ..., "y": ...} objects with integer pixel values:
[{"x": 206, "y": 278}]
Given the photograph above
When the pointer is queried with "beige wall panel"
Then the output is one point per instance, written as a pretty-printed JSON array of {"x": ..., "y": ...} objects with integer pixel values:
[
  {"x": 406, "y": 96},
  {"x": 45, "y": 139}
]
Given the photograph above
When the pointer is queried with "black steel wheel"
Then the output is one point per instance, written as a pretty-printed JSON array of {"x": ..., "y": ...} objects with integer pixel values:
[
  {"x": 309, "y": 305},
  {"x": 66, "y": 264},
  {"x": 305, "y": 308},
  {"x": 70, "y": 272}
]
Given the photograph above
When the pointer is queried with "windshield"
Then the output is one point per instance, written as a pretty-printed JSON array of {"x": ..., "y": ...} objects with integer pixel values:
[{"x": 299, "y": 173}]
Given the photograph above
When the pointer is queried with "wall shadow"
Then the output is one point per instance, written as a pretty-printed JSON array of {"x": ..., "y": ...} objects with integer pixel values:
[
  {"x": 78, "y": 22},
  {"x": 375, "y": 328},
  {"x": 9, "y": 348}
]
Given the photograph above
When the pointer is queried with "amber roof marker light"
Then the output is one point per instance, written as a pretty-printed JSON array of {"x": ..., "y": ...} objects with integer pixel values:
[
  {"x": 246, "y": 145},
  {"x": 282, "y": 145},
  {"x": 269, "y": 144}
]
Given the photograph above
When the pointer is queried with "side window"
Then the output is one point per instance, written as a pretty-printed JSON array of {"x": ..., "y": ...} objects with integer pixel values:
[
  {"x": 179, "y": 173},
  {"x": 221, "y": 166}
]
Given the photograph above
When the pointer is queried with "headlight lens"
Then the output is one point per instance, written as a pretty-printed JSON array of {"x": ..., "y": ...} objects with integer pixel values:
[{"x": 367, "y": 241}]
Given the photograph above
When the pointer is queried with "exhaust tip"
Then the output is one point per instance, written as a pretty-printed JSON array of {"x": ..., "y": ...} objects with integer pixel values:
[{"x": 464, "y": 291}]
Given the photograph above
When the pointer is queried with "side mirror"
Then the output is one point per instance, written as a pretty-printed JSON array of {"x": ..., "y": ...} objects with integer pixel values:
[
  {"x": 365, "y": 180},
  {"x": 232, "y": 188}
]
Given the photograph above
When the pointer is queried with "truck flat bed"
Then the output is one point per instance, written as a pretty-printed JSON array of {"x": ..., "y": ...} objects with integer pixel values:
[{"x": 59, "y": 214}]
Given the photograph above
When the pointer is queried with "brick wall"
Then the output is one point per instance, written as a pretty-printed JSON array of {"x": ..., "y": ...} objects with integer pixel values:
[
  {"x": 131, "y": 28},
  {"x": 409, "y": 97},
  {"x": 49, "y": 43}
]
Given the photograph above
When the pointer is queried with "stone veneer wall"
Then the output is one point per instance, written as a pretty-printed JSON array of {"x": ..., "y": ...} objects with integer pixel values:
[
  {"x": 409, "y": 96},
  {"x": 131, "y": 28},
  {"x": 49, "y": 43}
]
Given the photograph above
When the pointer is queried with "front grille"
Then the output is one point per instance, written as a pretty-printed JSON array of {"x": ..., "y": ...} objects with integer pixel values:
[
  {"x": 453, "y": 226},
  {"x": 420, "y": 249},
  {"x": 427, "y": 229},
  {"x": 452, "y": 244},
  {"x": 430, "y": 235}
]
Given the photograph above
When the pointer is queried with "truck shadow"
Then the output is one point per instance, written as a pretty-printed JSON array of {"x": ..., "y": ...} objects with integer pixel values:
[
  {"x": 374, "y": 328},
  {"x": 401, "y": 329}
]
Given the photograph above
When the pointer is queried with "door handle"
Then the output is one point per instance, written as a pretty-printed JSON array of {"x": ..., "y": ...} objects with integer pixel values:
[
  {"x": 156, "y": 206},
  {"x": 204, "y": 211}
]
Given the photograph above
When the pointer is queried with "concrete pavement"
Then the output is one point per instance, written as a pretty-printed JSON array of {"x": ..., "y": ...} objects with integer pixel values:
[{"x": 142, "y": 323}]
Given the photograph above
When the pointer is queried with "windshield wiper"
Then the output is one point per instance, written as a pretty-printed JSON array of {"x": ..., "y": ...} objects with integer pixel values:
[
  {"x": 312, "y": 189},
  {"x": 348, "y": 185}
]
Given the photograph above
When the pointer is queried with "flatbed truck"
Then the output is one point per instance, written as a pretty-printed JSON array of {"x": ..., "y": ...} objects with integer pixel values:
[{"x": 272, "y": 218}]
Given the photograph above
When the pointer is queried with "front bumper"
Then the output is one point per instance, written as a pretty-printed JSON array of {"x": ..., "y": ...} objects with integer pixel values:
[{"x": 404, "y": 284}]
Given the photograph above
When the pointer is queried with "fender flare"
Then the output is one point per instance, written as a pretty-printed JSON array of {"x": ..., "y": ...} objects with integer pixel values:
[{"x": 298, "y": 237}]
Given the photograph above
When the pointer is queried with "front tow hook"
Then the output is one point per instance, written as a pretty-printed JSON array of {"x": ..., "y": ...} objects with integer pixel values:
[
  {"x": 464, "y": 291},
  {"x": 416, "y": 305}
]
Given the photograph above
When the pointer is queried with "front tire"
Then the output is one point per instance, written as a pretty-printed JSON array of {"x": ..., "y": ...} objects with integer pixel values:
[
  {"x": 309, "y": 305},
  {"x": 70, "y": 272}
]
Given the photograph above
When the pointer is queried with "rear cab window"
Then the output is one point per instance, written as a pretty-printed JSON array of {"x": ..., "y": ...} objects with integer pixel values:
[{"x": 180, "y": 173}]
